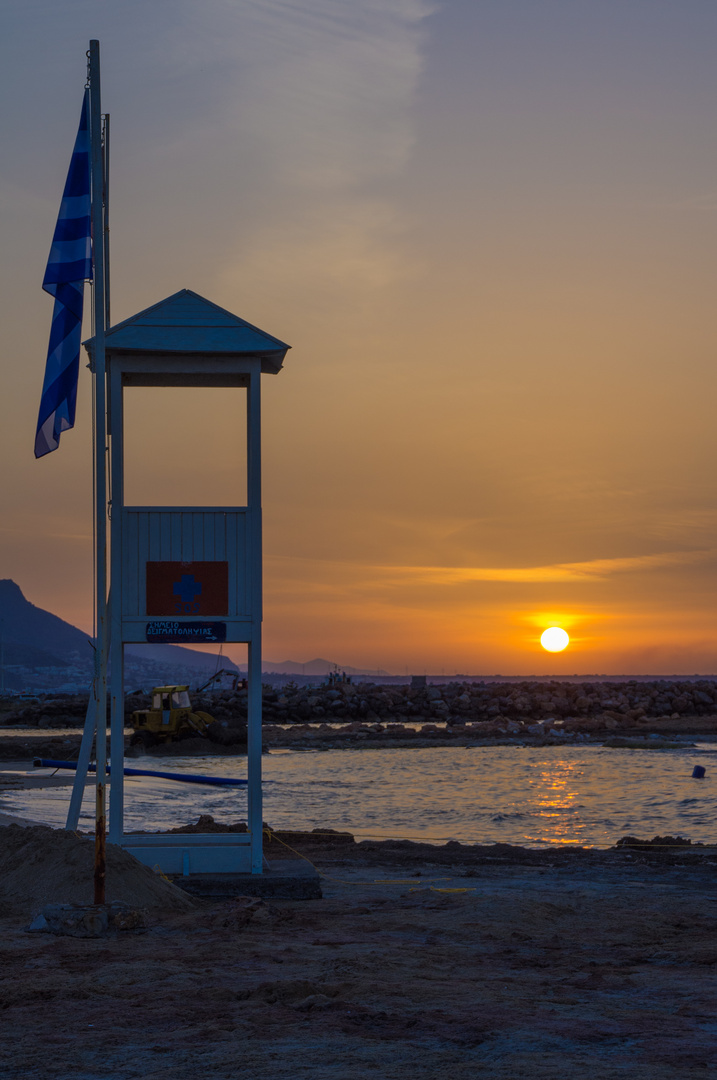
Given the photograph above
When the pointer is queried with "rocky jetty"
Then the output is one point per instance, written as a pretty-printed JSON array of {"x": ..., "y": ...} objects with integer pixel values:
[
  {"x": 543, "y": 709},
  {"x": 45, "y": 711},
  {"x": 499, "y": 709}
]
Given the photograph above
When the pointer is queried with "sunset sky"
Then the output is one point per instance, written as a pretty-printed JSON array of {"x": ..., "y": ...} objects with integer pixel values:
[{"x": 487, "y": 228}]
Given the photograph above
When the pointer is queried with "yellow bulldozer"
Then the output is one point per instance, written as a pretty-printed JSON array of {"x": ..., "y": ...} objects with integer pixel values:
[{"x": 171, "y": 718}]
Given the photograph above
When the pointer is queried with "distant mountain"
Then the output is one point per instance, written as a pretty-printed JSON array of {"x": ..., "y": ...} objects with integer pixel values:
[
  {"x": 316, "y": 667},
  {"x": 28, "y": 656},
  {"x": 36, "y": 638},
  {"x": 25, "y": 624},
  {"x": 174, "y": 655}
]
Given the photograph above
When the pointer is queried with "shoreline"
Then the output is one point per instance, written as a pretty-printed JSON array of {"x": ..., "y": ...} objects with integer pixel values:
[
  {"x": 17, "y": 752},
  {"x": 28, "y": 743},
  {"x": 17, "y": 775}
]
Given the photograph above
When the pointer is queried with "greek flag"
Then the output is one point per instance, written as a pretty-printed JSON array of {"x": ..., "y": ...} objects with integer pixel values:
[{"x": 69, "y": 264}]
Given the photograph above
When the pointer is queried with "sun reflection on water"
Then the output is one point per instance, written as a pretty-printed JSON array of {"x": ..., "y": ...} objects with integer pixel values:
[{"x": 554, "y": 790}]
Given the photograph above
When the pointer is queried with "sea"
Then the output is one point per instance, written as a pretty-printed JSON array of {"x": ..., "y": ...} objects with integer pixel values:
[{"x": 536, "y": 796}]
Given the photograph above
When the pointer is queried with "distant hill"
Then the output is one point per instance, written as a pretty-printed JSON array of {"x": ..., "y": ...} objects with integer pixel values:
[
  {"x": 28, "y": 656},
  {"x": 25, "y": 624},
  {"x": 316, "y": 667},
  {"x": 174, "y": 655},
  {"x": 36, "y": 638}
]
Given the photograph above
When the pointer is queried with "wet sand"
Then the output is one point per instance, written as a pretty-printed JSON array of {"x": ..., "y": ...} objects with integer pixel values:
[
  {"x": 27, "y": 744},
  {"x": 13, "y": 776}
]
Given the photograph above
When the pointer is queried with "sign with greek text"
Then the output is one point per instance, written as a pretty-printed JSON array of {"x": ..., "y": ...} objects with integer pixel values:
[{"x": 167, "y": 631}]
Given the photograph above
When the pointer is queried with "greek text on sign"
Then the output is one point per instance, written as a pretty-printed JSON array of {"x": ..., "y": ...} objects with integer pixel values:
[
  {"x": 168, "y": 631},
  {"x": 187, "y": 588}
]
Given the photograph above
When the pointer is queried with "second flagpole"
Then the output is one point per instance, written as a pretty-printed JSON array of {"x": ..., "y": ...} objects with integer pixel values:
[{"x": 100, "y": 449}]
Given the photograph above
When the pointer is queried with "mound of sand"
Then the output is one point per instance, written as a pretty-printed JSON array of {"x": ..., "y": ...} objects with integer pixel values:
[{"x": 39, "y": 866}]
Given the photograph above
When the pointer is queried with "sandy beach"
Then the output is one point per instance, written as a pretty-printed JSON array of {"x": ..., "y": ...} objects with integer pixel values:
[{"x": 419, "y": 961}]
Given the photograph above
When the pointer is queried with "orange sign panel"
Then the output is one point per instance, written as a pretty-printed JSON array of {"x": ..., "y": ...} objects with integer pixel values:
[{"x": 187, "y": 588}]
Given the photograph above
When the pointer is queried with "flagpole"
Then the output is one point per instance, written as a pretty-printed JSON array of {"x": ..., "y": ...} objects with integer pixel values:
[
  {"x": 99, "y": 308},
  {"x": 106, "y": 218}
]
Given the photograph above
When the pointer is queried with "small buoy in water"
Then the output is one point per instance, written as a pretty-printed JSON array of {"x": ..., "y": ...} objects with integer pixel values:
[{"x": 698, "y": 772}]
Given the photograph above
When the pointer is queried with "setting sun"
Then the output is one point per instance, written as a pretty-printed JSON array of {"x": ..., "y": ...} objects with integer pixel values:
[{"x": 554, "y": 639}]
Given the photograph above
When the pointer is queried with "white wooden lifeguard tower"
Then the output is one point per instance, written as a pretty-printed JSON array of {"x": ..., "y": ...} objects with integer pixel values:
[{"x": 187, "y": 574}]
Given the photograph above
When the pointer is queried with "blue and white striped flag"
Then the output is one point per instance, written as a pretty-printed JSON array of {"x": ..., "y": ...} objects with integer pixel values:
[{"x": 69, "y": 265}]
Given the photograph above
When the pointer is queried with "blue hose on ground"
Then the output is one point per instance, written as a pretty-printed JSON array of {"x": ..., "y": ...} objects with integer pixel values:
[{"x": 185, "y": 778}]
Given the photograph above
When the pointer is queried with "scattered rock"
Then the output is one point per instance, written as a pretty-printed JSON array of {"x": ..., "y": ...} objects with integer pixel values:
[
  {"x": 656, "y": 842},
  {"x": 88, "y": 920}
]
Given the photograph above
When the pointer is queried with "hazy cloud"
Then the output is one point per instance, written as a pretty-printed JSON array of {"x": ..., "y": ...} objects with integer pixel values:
[{"x": 329, "y": 114}]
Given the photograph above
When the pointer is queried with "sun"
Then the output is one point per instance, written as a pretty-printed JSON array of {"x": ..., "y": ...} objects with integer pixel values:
[{"x": 554, "y": 639}]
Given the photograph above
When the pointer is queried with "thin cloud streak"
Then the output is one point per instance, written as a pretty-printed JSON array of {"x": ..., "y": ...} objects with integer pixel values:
[{"x": 592, "y": 570}]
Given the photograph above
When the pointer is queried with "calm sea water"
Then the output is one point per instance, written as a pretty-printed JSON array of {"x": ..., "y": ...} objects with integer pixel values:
[{"x": 521, "y": 795}]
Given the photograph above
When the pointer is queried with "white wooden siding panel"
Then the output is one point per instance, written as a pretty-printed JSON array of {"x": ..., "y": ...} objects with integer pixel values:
[
  {"x": 198, "y": 536},
  {"x": 219, "y": 535},
  {"x": 242, "y": 569},
  {"x": 230, "y": 536},
  {"x": 187, "y": 545},
  {"x": 184, "y": 536},
  {"x": 152, "y": 536},
  {"x": 208, "y": 526},
  {"x": 129, "y": 563},
  {"x": 174, "y": 538},
  {"x": 142, "y": 546}
]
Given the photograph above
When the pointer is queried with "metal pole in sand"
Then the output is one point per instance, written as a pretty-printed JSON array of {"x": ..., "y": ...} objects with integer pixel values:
[{"x": 99, "y": 310}]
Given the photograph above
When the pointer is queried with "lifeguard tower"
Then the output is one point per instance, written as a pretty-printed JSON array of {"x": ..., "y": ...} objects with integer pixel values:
[{"x": 187, "y": 574}]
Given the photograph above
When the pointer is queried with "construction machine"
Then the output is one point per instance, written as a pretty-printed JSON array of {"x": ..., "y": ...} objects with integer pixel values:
[
  {"x": 171, "y": 718},
  {"x": 235, "y": 680}
]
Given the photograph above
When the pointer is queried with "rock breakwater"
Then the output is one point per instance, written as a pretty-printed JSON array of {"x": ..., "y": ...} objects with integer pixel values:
[{"x": 542, "y": 709}]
